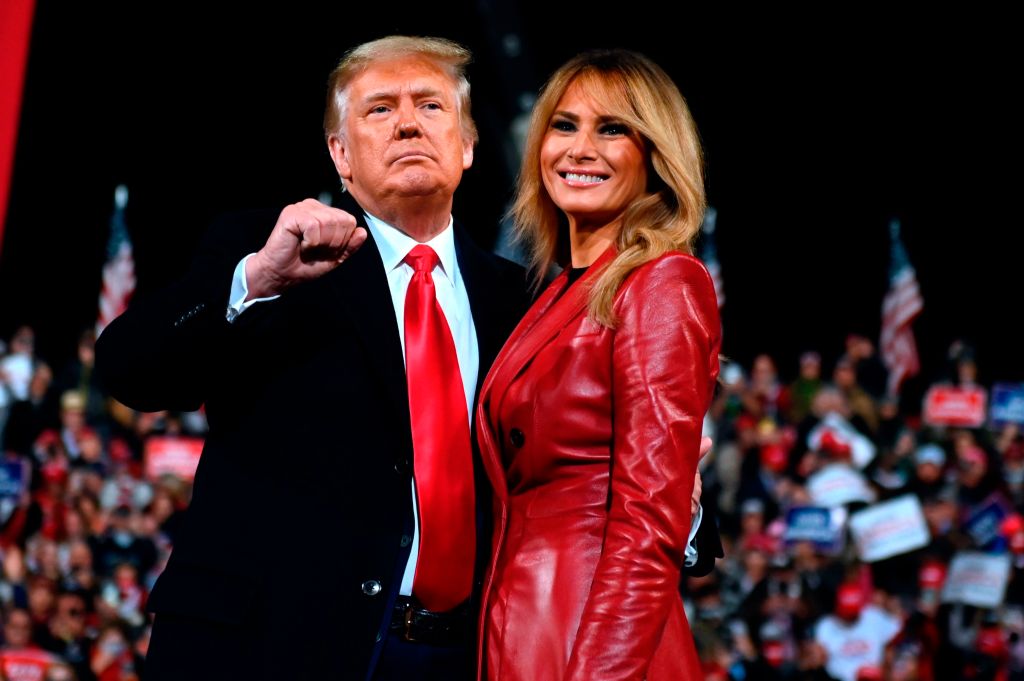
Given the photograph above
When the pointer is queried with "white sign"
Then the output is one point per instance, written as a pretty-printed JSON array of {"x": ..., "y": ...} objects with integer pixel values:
[
  {"x": 837, "y": 484},
  {"x": 890, "y": 528},
  {"x": 862, "y": 450},
  {"x": 977, "y": 579}
]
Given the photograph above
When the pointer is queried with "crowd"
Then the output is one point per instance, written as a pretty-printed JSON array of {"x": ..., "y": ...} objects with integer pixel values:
[
  {"x": 86, "y": 526},
  {"x": 84, "y": 532}
]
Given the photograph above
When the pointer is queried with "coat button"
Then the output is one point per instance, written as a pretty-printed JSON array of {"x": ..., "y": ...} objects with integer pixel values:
[
  {"x": 517, "y": 438},
  {"x": 403, "y": 466},
  {"x": 406, "y": 540},
  {"x": 371, "y": 587}
]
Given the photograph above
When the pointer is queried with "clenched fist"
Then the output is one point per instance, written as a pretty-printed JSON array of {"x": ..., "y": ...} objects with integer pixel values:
[{"x": 309, "y": 240}]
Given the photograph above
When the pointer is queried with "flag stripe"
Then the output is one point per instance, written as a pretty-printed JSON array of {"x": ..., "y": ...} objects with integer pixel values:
[{"x": 900, "y": 306}]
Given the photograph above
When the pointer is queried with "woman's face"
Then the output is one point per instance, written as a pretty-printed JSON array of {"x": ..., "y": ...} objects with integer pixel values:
[{"x": 592, "y": 164}]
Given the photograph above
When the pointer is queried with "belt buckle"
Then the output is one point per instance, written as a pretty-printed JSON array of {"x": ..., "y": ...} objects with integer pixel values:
[{"x": 407, "y": 634}]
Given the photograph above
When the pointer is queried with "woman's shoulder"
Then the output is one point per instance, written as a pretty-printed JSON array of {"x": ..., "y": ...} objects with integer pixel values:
[{"x": 670, "y": 269}]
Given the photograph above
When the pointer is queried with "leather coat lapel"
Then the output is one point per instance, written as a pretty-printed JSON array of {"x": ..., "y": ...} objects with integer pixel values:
[{"x": 555, "y": 308}]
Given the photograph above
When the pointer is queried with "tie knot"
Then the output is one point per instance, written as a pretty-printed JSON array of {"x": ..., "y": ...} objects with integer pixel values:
[{"x": 422, "y": 258}]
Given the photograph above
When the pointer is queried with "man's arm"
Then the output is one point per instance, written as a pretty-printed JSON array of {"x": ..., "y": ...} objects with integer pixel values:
[{"x": 164, "y": 353}]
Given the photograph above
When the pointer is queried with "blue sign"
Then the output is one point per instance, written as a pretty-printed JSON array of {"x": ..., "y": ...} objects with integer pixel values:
[
  {"x": 12, "y": 484},
  {"x": 1007, "y": 404},
  {"x": 984, "y": 523},
  {"x": 813, "y": 524}
]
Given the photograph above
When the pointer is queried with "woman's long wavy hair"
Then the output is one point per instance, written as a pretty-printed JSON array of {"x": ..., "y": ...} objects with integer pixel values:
[{"x": 666, "y": 217}]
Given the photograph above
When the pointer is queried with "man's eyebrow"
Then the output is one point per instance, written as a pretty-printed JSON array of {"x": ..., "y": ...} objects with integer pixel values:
[{"x": 425, "y": 91}]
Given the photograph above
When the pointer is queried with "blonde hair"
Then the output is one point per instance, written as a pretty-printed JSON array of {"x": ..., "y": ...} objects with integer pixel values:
[
  {"x": 666, "y": 217},
  {"x": 449, "y": 56}
]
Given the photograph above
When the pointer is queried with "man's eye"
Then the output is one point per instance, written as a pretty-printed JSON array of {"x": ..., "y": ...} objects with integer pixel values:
[
  {"x": 433, "y": 106},
  {"x": 380, "y": 108}
]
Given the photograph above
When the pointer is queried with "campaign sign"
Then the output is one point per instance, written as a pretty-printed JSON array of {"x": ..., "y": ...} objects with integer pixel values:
[
  {"x": 1007, "y": 404},
  {"x": 889, "y": 528},
  {"x": 945, "y": 405},
  {"x": 837, "y": 484},
  {"x": 983, "y": 524},
  {"x": 977, "y": 579},
  {"x": 12, "y": 484},
  {"x": 820, "y": 526},
  {"x": 178, "y": 456}
]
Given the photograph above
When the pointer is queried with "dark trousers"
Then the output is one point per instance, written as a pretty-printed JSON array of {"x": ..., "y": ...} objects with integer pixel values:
[{"x": 404, "y": 661}]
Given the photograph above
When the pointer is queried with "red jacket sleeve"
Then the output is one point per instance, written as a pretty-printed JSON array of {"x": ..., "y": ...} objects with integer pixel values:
[{"x": 665, "y": 362}]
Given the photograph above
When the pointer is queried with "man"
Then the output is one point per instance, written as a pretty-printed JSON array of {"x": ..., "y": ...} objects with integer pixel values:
[
  {"x": 301, "y": 527},
  {"x": 305, "y": 551}
]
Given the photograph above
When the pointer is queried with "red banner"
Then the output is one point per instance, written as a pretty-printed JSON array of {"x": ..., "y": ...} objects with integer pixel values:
[
  {"x": 946, "y": 405},
  {"x": 178, "y": 456}
]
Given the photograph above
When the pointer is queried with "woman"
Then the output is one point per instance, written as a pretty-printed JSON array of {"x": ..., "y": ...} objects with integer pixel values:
[{"x": 590, "y": 419}]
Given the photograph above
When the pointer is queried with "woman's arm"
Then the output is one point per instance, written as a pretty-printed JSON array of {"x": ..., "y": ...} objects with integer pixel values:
[{"x": 665, "y": 361}]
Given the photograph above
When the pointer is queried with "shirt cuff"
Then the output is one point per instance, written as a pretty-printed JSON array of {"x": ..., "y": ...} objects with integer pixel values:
[
  {"x": 237, "y": 303},
  {"x": 691, "y": 548}
]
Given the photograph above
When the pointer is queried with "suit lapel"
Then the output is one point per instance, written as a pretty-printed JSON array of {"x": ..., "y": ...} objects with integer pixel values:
[
  {"x": 484, "y": 302},
  {"x": 361, "y": 286}
]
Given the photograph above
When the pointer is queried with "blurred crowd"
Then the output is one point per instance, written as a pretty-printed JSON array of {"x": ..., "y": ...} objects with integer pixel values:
[
  {"x": 798, "y": 596},
  {"x": 84, "y": 532},
  {"x": 86, "y": 526}
]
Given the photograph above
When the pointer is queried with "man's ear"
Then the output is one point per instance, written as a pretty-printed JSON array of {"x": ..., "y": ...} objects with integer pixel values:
[
  {"x": 336, "y": 145},
  {"x": 467, "y": 153}
]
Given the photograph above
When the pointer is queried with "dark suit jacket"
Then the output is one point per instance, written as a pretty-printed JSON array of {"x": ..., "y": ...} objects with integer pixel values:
[{"x": 300, "y": 521}]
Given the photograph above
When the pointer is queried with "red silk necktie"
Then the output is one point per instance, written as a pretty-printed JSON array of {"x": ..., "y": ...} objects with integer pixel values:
[{"x": 443, "y": 460}]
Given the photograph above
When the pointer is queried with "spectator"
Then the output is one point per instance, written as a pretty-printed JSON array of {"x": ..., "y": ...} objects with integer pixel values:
[
  {"x": 66, "y": 636},
  {"x": 856, "y": 635},
  {"x": 20, "y": 658}
]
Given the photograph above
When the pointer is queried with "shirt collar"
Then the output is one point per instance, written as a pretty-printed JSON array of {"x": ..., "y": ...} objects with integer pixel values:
[{"x": 395, "y": 244}]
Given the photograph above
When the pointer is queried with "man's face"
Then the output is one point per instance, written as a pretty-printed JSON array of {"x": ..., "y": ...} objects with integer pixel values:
[
  {"x": 18, "y": 629},
  {"x": 401, "y": 137}
]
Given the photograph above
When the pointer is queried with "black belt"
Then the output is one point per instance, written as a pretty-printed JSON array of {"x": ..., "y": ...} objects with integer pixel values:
[{"x": 413, "y": 623}]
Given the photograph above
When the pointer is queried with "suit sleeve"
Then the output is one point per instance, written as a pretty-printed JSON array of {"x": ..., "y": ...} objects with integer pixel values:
[
  {"x": 665, "y": 361},
  {"x": 164, "y": 352}
]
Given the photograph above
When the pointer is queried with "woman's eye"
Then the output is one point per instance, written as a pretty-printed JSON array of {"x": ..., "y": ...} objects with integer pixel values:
[
  {"x": 615, "y": 129},
  {"x": 563, "y": 125}
]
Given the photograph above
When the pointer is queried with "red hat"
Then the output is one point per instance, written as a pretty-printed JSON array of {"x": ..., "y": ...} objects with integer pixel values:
[
  {"x": 974, "y": 454},
  {"x": 774, "y": 652},
  {"x": 745, "y": 422},
  {"x": 990, "y": 642},
  {"x": 774, "y": 457},
  {"x": 849, "y": 601},
  {"x": 119, "y": 451},
  {"x": 834, "y": 445},
  {"x": 870, "y": 673},
  {"x": 1012, "y": 524},
  {"x": 759, "y": 542},
  {"x": 54, "y": 471},
  {"x": 932, "y": 575}
]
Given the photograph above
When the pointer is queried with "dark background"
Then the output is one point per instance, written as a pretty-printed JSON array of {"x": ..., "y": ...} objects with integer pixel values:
[{"x": 817, "y": 131}]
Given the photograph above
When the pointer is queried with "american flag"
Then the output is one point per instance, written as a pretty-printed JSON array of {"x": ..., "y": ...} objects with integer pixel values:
[
  {"x": 709, "y": 254},
  {"x": 902, "y": 303},
  {"x": 119, "y": 270}
]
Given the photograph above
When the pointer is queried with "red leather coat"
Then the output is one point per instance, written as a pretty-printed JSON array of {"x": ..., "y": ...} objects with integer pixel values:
[{"x": 590, "y": 437}]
